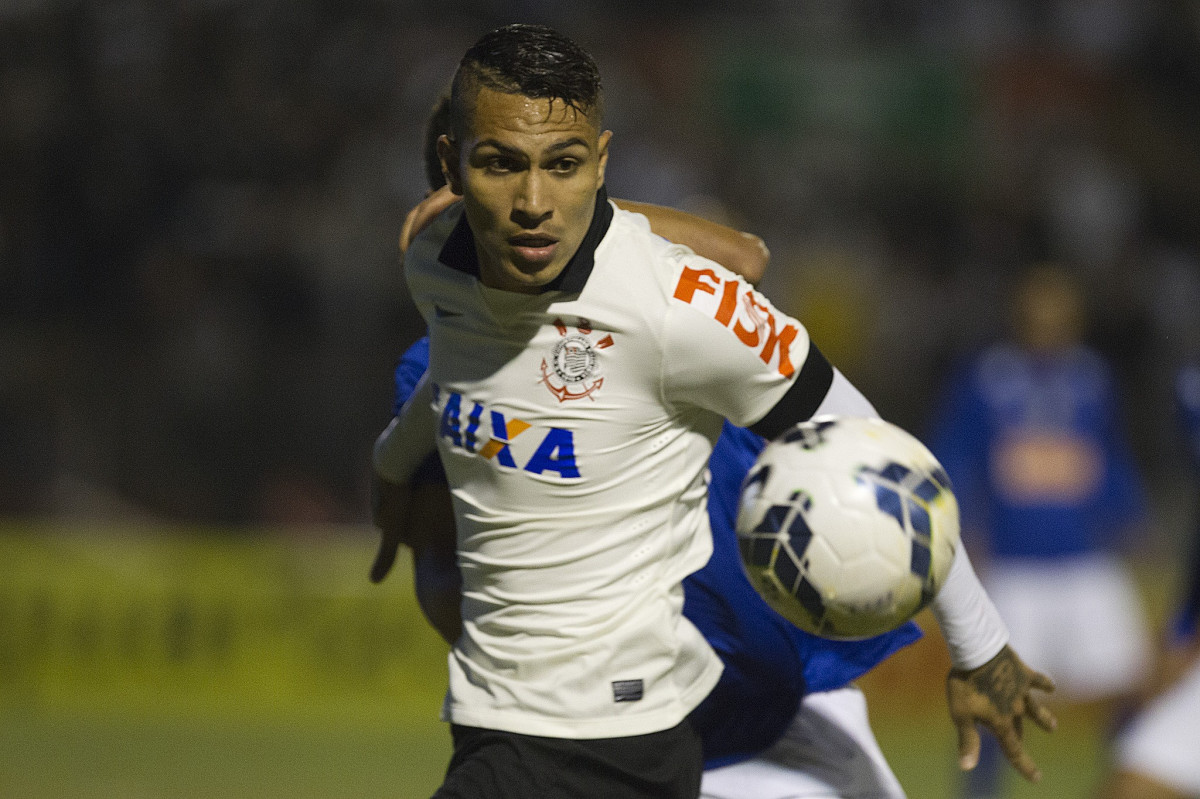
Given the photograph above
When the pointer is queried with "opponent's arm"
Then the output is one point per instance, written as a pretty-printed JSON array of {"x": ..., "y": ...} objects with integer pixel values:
[
  {"x": 425, "y": 212},
  {"x": 743, "y": 253}
]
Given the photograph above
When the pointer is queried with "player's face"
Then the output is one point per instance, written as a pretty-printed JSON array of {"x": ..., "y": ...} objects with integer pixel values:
[
  {"x": 1049, "y": 313},
  {"x": 528, "y": 171}
]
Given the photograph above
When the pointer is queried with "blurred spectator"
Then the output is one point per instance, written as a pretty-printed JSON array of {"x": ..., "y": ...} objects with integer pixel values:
[
  {"x": 1030, "y": 433},
  {"x": 262, "y": 152}
]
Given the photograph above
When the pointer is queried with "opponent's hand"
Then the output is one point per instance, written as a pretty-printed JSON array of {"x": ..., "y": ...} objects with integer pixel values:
[
  {"x": 389, "y": 512},
  {"x": 424, "y": 212},
  {"x": 999, "y": 695}
]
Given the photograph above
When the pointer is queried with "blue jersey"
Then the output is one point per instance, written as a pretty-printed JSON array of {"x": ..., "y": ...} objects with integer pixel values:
[
  {"x": 769, "y": 663},
  {"x": 1187, "y": 394},
  {"x": 1039, "y": 462}
]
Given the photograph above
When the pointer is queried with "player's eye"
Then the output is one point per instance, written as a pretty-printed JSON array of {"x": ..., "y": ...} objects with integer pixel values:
[
  {"x": 501, "y": 164},
  {"x": 564, "y": 166}
]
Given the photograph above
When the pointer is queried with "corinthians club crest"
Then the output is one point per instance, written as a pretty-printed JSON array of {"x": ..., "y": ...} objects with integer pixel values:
[{"x": 570, "y": 370}]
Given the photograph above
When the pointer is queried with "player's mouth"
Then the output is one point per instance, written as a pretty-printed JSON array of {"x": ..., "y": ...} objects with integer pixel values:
[{"x": 533, "y": 248}]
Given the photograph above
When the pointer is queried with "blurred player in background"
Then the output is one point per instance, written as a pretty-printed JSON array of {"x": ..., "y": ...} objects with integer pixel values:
[
  {"x": 975, "y": 632},
  {"x": 1029, "y": 433},
  {"x": 1157, "y": 755}
]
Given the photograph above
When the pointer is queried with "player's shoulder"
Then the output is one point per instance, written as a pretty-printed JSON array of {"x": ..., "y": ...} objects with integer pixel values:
[
  {"x": 997, "y": 365},
  {"x": 630, "y": 231},
  {"x": 633, "y": 228},
  {"x": 644, "y": 262},
  {"x": 685, "y": 276}
]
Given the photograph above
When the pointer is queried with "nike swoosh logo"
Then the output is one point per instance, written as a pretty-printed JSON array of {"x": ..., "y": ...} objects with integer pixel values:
[{"x": 441, "y": 313}]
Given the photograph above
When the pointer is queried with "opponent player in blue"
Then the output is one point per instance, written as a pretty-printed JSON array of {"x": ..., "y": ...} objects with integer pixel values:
[
  {"x": 1156, "y": 755},
  {"x": 1029, "y": 433}
]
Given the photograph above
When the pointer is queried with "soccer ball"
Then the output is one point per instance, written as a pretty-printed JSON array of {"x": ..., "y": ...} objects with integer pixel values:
[{"x": 847, "y": 526}]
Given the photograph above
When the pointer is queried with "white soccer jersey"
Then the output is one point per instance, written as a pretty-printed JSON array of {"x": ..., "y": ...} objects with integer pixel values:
[{"x": 575, "y": 426}]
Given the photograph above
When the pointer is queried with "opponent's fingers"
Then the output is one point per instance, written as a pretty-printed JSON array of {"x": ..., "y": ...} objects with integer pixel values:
[
  {"x": 1041, "y": 681},
  {"x": 1009, "y": 737},
  {"x": 968, "y": 745},
  {"x": 1040, "y": 714}
]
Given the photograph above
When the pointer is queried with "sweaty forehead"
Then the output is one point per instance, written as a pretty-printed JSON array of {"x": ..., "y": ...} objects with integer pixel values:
[{"x": 502, "y": 116}]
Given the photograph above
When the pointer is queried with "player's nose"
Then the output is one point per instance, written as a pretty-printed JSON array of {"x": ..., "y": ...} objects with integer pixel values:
[{"x": 531, "y": 203}]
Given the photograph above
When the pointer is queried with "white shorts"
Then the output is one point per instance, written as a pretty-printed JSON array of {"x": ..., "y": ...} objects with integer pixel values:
[
  {"x": 1163, "y": 741},
  {"x": 1080, "y": 621},
  {"x": 828, "y": 752}
]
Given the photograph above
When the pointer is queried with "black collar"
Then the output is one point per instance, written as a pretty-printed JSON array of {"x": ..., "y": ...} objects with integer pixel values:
[{"x": 459, "y": 250}]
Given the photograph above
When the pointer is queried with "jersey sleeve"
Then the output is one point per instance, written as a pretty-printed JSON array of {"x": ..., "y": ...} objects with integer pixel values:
[
  {"x": 729, "y": 350},
  {"x": 970, "y": 623},
  {"x": 409, "y": 437}
]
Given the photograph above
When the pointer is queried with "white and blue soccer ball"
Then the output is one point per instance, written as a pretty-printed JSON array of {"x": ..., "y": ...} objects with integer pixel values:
[{"x": 847, "y": 526}]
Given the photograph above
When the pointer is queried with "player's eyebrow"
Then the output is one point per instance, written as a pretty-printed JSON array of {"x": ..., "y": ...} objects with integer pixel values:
[{"x": 574, "y": 141}]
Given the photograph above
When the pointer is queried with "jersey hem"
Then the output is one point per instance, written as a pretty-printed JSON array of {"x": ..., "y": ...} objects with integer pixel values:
[{"x": 657, "y": 720}]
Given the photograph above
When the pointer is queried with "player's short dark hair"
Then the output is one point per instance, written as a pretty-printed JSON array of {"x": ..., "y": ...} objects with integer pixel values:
[
  {"x": 437, "y": 124},
  {"x": 530, "y": 60}
]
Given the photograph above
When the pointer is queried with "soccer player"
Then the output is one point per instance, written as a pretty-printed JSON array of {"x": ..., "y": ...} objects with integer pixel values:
[
  {"x": 579, "y": 371},
  {"x": 1029, "y": 433},
  {"x": 784, "y": 719},
  {"x": 1157, "y": 754}
]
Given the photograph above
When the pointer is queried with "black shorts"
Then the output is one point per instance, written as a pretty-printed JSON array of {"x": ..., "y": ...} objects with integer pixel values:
[{"x": 489, "y": 764}]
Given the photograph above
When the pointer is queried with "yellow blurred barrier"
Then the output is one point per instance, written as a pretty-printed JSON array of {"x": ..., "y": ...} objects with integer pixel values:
[
  {"x": 190, "y": 621},
  {"x": 186, "y": 621}
]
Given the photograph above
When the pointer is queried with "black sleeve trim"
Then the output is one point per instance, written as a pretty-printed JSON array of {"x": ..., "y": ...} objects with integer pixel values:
[{"x": 802, "y": 399}]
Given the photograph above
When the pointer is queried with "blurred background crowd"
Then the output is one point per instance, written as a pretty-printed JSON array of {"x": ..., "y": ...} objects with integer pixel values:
[{"x": 200, "y": 297}]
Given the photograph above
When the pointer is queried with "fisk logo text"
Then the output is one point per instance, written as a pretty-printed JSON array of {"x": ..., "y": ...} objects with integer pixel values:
[{"x": 744, "y": 311}]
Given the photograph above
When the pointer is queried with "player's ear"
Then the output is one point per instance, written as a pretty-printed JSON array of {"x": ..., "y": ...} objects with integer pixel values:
[
  {"x": 603, "y": 150},
  {"x": 448, "y": 155}
]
